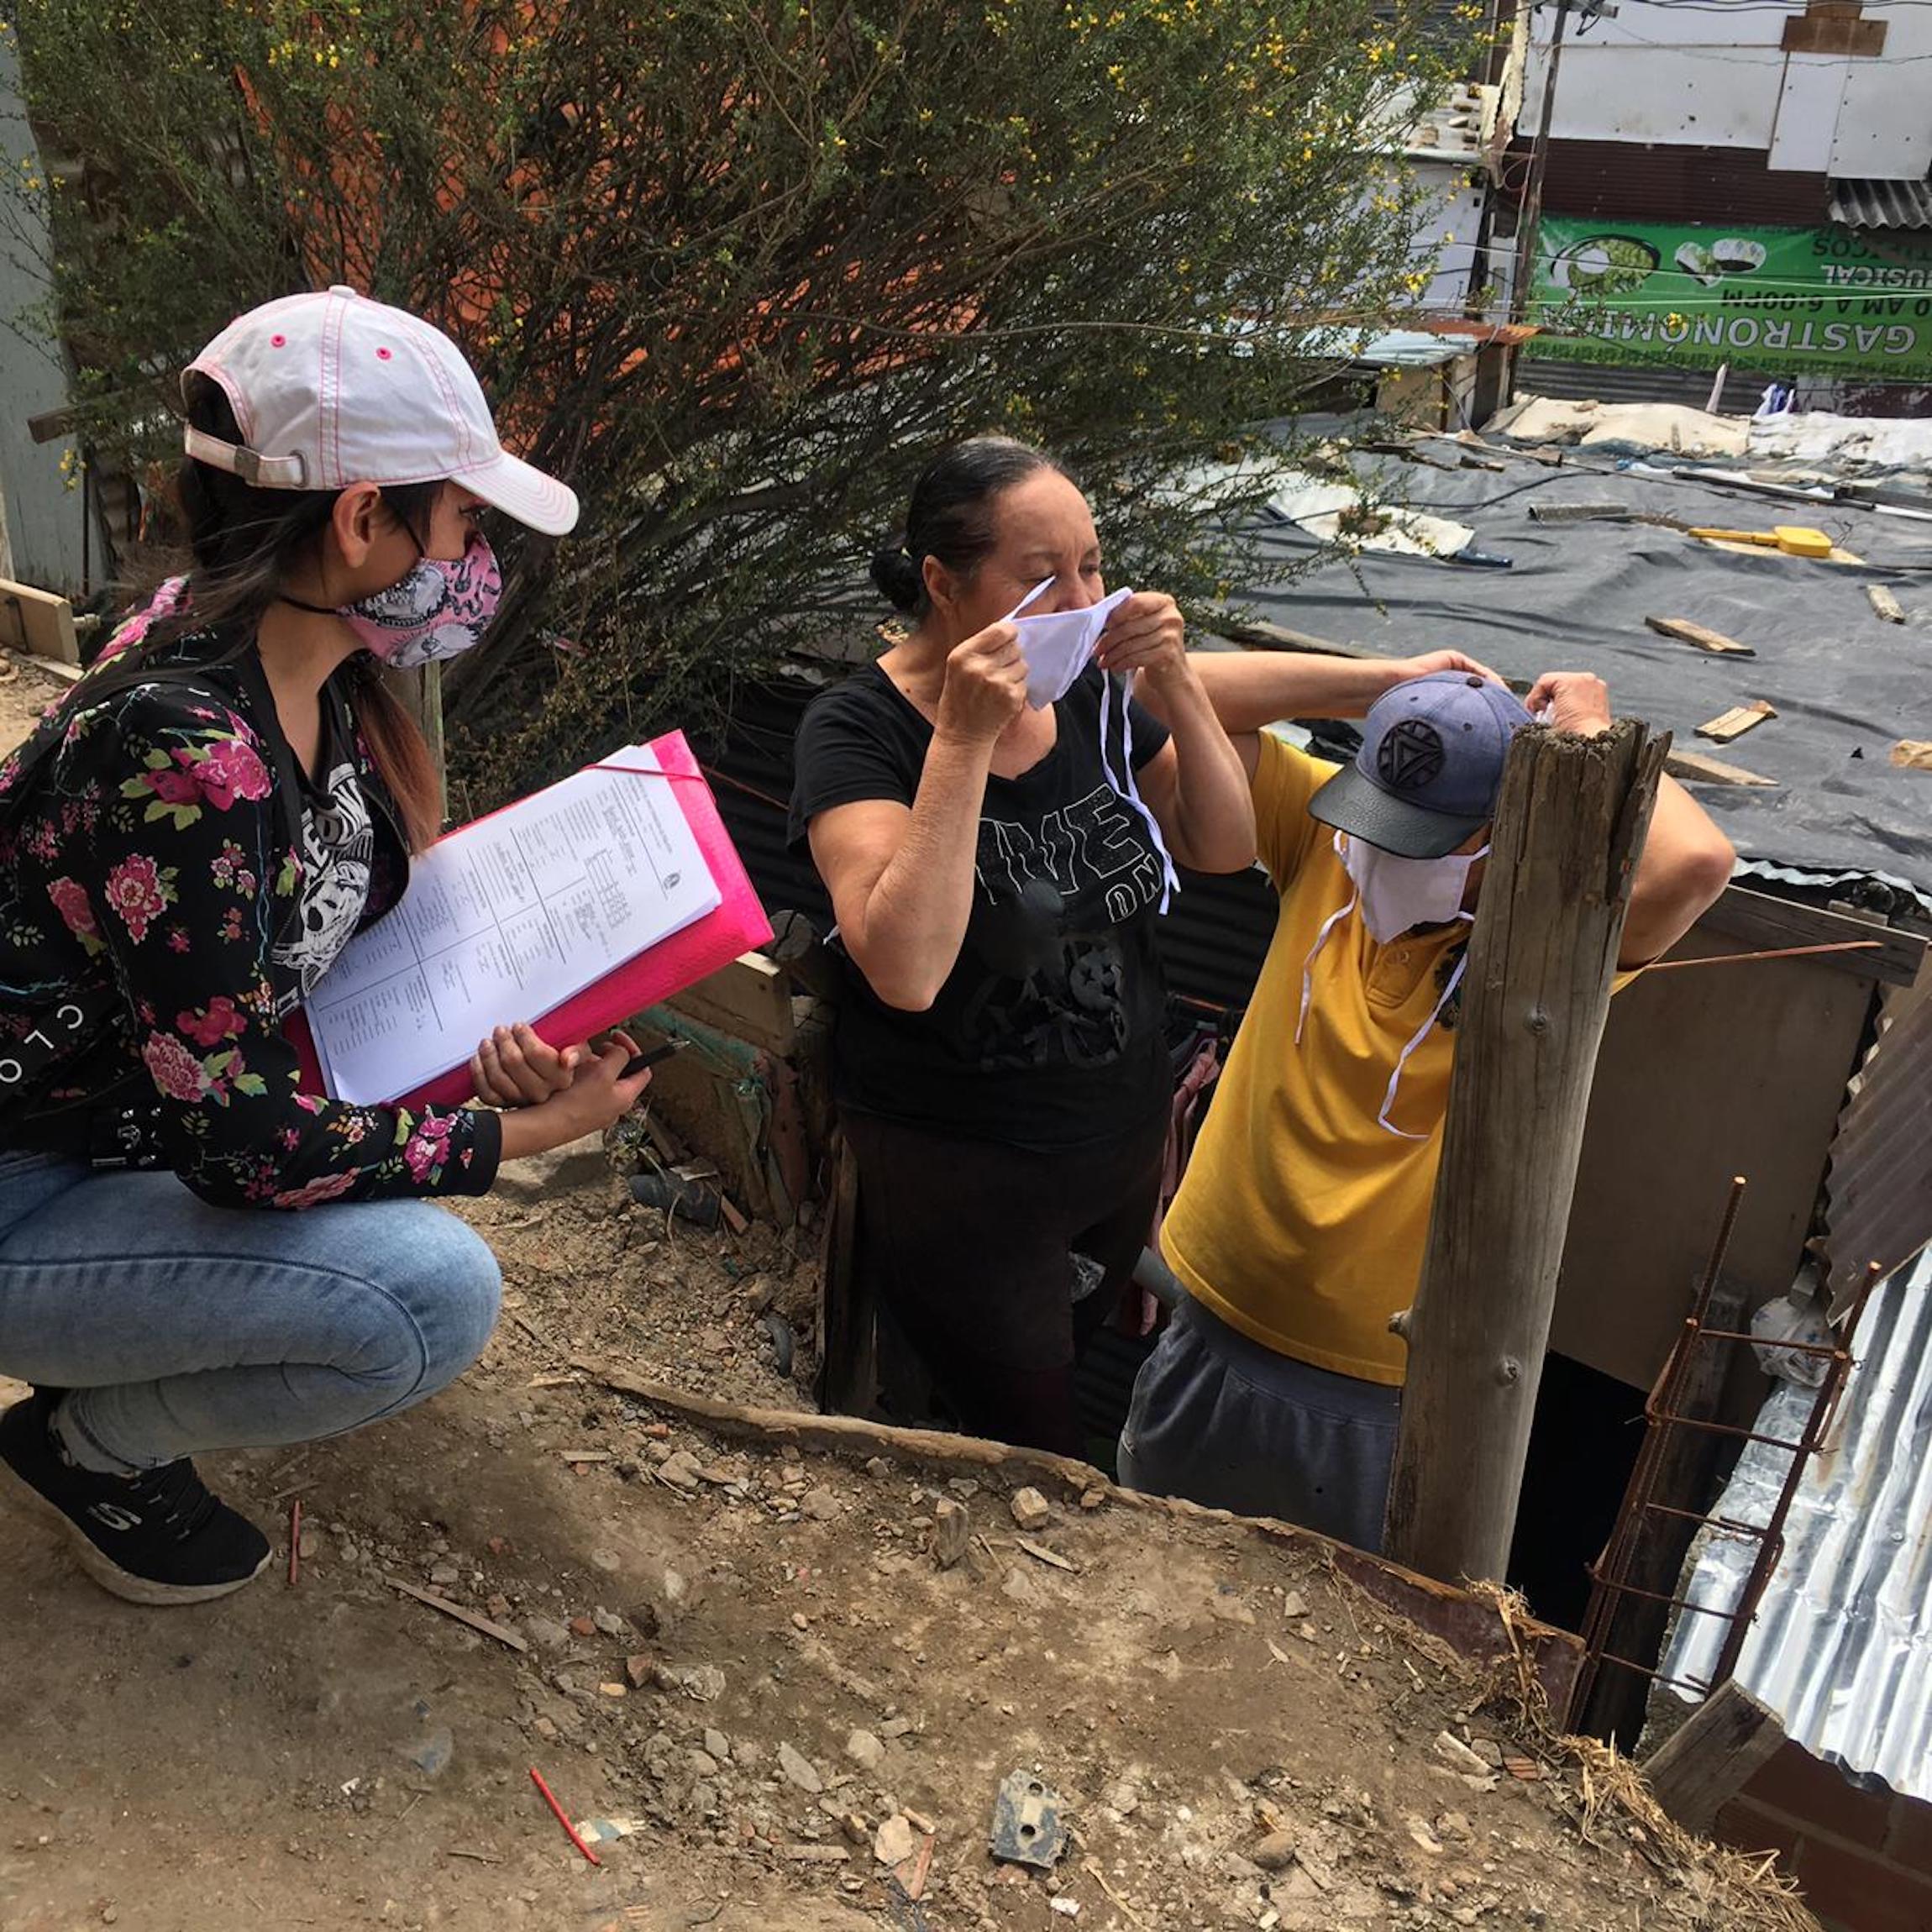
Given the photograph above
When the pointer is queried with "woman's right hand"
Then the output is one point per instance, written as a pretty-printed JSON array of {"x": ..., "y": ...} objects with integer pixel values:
[
  {"x": 986, "y": 686},
  {"x": 597, "y": 1097}
]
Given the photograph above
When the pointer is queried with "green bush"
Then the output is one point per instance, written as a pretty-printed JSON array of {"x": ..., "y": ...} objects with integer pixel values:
[{"x": 733, "y": 267}]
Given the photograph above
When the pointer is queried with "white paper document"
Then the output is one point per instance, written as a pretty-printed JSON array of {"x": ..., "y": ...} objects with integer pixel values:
[{"x": 507, "y": 918}]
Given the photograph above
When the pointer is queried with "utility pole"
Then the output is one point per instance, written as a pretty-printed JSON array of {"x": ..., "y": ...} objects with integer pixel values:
[
  {"x": 1570, "y": 823},
  {"x": 1529, "y": 220}
]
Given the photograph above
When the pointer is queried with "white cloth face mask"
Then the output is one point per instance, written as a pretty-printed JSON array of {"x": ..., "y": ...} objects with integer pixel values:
[
  {"x": 1397, "y": 893},
  {"x": 1059, "y": 646}
]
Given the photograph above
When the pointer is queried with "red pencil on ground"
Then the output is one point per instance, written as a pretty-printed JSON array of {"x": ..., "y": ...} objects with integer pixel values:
[{"x": 550, "y": 1799}]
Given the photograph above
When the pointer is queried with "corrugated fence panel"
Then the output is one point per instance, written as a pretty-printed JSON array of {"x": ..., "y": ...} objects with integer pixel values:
[
  {"x": 1637, "y": 183},
  {"x": 1879, "y": 1190}
]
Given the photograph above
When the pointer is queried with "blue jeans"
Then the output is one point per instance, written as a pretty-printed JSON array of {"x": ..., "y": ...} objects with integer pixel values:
[{"x": 184, "y": 1327}]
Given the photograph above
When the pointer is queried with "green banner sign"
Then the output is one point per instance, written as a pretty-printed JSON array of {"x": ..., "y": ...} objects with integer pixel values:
[{"x": 1779, "y": 300}]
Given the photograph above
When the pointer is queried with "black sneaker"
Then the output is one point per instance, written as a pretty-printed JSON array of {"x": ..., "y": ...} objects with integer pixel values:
[{"x": 158, "y": 1537}]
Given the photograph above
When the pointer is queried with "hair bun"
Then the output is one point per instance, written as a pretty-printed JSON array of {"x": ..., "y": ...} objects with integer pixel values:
[{"x": 898, "y": 578}]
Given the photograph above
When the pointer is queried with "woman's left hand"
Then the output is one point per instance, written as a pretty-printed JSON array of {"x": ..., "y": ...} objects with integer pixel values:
[
  {"x": 515, "y": 1068},
  {"x": 1145, "y": 635}
]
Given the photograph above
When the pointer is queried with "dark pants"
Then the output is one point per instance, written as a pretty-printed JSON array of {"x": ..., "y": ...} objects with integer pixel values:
[{"x": 969, "y": 1244}]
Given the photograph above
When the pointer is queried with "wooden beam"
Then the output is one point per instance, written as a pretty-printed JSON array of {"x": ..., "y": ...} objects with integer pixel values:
[
  {"x": 750, "y": 1000},
  {"x": 1704, "y": 1763},
  {"x": 1570, "y": 822},
  {"x": 1693, "y": 768},
  {"x": 1270, "y": 636},
  {"x": 1686, "y": 632},
  {"x": 1765, "y": 924},
  {"x": 38, "y": 621}
]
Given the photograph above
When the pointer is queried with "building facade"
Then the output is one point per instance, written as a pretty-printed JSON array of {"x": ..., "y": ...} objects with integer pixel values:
[{"x": 1735, "y": 185}]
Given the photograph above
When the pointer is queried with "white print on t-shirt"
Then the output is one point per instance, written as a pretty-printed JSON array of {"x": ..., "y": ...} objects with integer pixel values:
[
  {"x": 1096, "y": 841},
  {"x": 337, "y": 848}
]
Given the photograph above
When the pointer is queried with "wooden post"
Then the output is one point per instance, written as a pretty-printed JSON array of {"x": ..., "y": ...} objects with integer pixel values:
[
  {"x": 1711, "y": 1756},
  {"x": 1570, "y": 821}
]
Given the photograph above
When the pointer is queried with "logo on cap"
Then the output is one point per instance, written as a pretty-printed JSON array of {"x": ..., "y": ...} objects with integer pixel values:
[{"x": 1409, "y": 756}]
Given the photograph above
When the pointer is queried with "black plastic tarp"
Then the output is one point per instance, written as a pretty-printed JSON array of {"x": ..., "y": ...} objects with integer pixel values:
[{"x": 1846, "y": 686}]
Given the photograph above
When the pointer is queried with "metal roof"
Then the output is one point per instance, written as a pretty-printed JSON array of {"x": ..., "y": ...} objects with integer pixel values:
[
  {"x": 1880, "y": 1189},
  {"x": 1841, "y": 1648},
  {"x": 1390, "y": 347},
  {"x": 1882, "y": 204}
]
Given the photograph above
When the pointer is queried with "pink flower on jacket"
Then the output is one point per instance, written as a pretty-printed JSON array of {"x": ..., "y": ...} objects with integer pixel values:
[
  {"x": 76, "y": 912},
  {"x": 229, "y": 769},
  {"x": 173, "y": 786},
  {"x": 311, "y": 1194},
  {"x": 138, "y": 891},
  {"x": 176, "y": 1072},
  {"x": 210, "y": 1026},
  {"x": 428, "y": 1147}
]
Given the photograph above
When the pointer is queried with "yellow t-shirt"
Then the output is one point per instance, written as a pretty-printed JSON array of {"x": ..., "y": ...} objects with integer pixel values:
[{"x": 1302, "y": 1219}]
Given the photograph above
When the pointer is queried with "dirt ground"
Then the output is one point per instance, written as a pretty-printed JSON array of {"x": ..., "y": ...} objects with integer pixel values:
[{"x": 746, "y": 1673}]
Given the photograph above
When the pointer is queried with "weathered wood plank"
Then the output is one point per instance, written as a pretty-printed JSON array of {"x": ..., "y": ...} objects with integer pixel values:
[
  {"x": 1737, "y": 720},
  {"x": 38, "y": 621},
  {"x": 1711, "y": 1756},
  {"x": 1699, "y": 636},
  {"x": 1765, "y": 923},
  {"x": 1273, "y": 637},
  {"x": 1570, "y": 821},
  {"x": 750, "y": 1000},
  {"x": 1693, "y": 768}
]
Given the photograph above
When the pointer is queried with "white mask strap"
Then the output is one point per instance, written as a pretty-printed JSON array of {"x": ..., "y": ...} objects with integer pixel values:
[
  {"x": 1125, "y": 785},
  {"x": 1422, "y": 1034},
  {"x": 1328, "y": 925}
]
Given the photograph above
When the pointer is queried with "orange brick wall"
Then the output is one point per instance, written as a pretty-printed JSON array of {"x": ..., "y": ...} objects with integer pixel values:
[{"x": 1863, "y": 1858}]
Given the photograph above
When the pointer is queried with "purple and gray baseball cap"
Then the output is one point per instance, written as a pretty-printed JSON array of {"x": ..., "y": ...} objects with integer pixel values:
[{"x": 1430, "y": 767}]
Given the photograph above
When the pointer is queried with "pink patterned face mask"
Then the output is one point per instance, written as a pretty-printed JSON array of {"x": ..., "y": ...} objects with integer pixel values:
[{"x": 435, "y": 610}]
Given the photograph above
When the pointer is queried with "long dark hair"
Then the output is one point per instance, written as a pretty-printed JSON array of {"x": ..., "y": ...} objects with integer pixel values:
[
  {"x": 950, "y": 514},
  {"x": 243, "y": 540}
]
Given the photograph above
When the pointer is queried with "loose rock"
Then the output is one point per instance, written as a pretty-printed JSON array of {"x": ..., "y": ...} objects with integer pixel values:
[
  {"x": 798, "y": 1770},
  {"x": 1031, "y": 1509},
  {"x": 951, "y": 1531},
  {"x": 866, "y": 1750}
]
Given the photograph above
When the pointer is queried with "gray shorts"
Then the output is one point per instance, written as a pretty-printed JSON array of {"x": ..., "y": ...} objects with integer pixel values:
[{"x": 1225, "y": 1422}]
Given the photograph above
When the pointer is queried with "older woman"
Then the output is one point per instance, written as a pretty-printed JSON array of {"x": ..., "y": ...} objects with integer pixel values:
[{"x": 996, "y": 868}]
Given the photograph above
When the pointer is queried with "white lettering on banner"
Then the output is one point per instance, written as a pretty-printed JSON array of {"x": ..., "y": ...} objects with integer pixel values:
[{"x": 11, "y": 1072}]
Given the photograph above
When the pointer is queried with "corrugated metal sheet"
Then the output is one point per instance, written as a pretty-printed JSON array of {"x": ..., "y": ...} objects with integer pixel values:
[
  {"x": 1389, "y": 349},
  {"x": 1636, "y": 182},
  {"x": 1878, "y": 1190},
  {"x": 1841, "y": 1648},
  {"x": 1618, "y": 382},
  {"x": 1882, "y": 204}
]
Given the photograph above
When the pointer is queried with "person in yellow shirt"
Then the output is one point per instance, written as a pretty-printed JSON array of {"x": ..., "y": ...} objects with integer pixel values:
[{"x": 1299, "y": 1226}]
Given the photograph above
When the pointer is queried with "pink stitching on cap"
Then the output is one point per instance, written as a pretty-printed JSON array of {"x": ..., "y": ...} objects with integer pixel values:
[
  {"x": 382, "y": 355},
  {"x": 278, "y": 342}
]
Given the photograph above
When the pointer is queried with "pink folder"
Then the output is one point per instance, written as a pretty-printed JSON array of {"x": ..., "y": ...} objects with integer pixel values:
[{"x": 737, "y": 924}]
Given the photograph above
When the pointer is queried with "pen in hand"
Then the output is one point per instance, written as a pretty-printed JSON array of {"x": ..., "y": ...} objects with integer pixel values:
[{"x": 637, "y": 1061}]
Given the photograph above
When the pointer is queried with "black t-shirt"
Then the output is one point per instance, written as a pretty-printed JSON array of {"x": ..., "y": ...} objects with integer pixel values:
[{"x": 1047, "y": 1032}]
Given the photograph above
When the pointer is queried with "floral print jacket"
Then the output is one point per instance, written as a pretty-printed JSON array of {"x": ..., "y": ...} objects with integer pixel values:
[{"x": 146, "y": 875}]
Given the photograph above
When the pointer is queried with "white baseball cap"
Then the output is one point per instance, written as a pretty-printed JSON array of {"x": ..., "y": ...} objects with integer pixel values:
[{"x": 331, "y": 389}]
